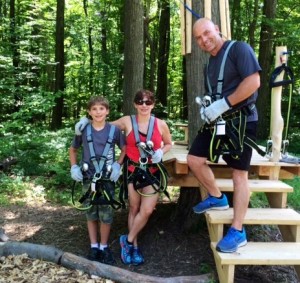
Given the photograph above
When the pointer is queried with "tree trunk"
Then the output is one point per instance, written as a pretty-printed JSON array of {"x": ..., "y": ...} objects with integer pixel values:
[
  {"x": 253, "y": 24},
  {"x": 60, "y": 67},
  {"x": 133, "y": 52},
  {"x": 91, "y": 51},
  {"x": 163, "y": 54},
  {"x": 265, "y": 60}
]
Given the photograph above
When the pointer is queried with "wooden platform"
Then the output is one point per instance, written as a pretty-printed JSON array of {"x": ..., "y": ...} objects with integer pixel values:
[{"x": 261, "y": 167}]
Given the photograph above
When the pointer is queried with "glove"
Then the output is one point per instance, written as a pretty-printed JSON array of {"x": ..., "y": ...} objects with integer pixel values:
[
  {"x": 202, "y": 113},
  {"x": 157, "y": 156},
  {"x": 213, "y": 111},
  {"x": 76, "y": 173},
  {"x": 79, "y": 127},
  {"x": 115, "y": 172}
]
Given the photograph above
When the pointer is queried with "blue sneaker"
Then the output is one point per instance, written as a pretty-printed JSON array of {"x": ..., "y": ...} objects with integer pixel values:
[
  {"x": 211, "y": 203},
  {"x": 137, "y": 257},
  {"x": 232, "y": 241},
  {"x": 126, "y": 250}
]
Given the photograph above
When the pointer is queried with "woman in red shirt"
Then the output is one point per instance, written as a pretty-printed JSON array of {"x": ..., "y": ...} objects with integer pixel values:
[{"x": 143, "y": 201}]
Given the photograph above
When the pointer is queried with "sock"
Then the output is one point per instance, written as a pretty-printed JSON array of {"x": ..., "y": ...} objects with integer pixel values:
[
  {"x": 129, "y": 243},
  {"x": 102, "y": 247},
  {"x": 220, "y": 196},
  {"x": 96, "y": 245}
]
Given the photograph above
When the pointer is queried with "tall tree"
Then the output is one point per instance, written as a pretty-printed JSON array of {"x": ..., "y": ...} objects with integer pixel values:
[
  {"x": 163, "y": 52},
  {"x": 133, "y": 52},
  {"x": 265, "y": 60},
  {"x": 60, "y": 67}
]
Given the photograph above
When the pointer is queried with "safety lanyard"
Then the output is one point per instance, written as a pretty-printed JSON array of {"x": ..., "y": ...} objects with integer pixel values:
[{"x": 98, "y": 165}]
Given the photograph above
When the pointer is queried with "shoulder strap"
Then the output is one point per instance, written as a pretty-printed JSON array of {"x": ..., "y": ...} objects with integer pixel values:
[
  {"x": 99, "y": 166},
  {"x": 221, "y": 72},
  {"x": 136, "y": 132}
]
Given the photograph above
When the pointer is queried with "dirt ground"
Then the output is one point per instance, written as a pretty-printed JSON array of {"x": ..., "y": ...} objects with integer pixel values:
[{"x": 168, "y": 251}]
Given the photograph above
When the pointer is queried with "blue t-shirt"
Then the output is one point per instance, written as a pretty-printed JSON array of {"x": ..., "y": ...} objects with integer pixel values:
[
  {"x": 99, "y": 141},
  {"x": 241, "y": 62}
]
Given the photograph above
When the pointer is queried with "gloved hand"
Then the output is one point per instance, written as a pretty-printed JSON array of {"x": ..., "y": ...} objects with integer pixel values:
[
  {"x": 157, "y": 156},
  {"x": 213, "y": 111},
  {"x": 115, "y": 172},
  {"x": 79, "y": 127},
  {"x": 76, "y": 173}
]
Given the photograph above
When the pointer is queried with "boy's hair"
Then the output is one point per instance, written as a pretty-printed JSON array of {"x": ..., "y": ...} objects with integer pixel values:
[{"x": 97, "y": 100}]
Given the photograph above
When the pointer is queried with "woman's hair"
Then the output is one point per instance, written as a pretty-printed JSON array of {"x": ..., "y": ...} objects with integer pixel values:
[
  {"x": 144, "y": 93},
  {"x": 97, "y": 100}
]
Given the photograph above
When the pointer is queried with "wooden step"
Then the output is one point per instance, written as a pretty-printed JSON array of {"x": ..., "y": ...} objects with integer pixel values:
[
  {"x": 275, "y": 190},
  {"x": 257, "y": 185},
  {"x": 287, "y": 219},
  {"x": 256, "y": 216},
  {"x": 271, "y": 253}
]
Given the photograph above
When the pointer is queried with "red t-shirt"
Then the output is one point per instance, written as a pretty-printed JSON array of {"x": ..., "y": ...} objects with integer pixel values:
[{"x": 132, "y": 151}]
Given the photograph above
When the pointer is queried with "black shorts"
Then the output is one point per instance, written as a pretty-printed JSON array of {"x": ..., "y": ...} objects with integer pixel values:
[{"x": 201, "y": 144}]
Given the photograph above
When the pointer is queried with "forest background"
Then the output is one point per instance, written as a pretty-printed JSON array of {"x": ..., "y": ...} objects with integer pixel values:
[{"x": 54, "y": 55}]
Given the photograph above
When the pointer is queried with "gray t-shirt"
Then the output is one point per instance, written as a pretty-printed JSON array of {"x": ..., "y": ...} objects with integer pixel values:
[
  {"x": 99, "y": 141},
  {"x": 241, "y": 62}
]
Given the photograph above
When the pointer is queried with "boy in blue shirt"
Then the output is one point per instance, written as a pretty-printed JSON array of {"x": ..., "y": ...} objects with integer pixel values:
[{"x": 101, "y": 167}]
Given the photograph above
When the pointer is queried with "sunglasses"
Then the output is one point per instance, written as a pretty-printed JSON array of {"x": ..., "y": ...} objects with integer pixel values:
[{"x": 141, "y": 102}]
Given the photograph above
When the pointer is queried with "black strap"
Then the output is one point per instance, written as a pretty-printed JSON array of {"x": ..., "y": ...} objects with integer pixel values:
[{"x": 277, "y": 71}]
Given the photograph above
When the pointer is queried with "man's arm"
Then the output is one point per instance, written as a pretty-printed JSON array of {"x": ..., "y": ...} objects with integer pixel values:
[{"x": 245, "y": 89}]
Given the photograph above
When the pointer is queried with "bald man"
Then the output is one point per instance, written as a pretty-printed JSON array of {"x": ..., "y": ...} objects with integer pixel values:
[{"x": 236, "y": 94}]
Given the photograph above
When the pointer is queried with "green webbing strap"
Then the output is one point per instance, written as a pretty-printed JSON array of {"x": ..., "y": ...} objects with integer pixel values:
[{"x": 99, "y": 165}]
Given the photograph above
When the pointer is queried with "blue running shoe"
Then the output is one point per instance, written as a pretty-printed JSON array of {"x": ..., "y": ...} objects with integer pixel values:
[
  {"x": 232, "y": 241},
  {"x": 137, "y": 257},
  {"x": 211, "y": 203},
  {"x": 126, "y": 250}
]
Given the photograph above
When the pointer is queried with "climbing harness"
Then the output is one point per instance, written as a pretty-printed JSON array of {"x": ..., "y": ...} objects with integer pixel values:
[
  {"x": 289, "y": 81},
  {"x": 142, "y": 175},
  {"x": 228, "y": 131},
  {"x": 100, "y": 188}
]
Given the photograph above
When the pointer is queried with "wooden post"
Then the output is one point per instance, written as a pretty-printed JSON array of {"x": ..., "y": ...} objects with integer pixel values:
[
  {"x": 227, "y": 19},
  {"x": 276, "y": 122},
  {"x": 223, "y": 18},
  {"x": 188, "y": 28},
  {"x": 207, "y": 9},
  {"x": 182, "y": 29}
]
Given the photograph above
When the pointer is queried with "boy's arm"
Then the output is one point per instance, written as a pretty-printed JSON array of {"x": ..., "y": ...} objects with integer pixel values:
[
  {"x": 73, "y": 155},
  {"x": 76, "y": 173}
]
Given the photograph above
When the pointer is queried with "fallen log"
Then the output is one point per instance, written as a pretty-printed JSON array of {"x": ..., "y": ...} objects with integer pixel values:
[
  {"x": 121, "y": 275},
  {"x": 71, "y": 261},
  {"x": 43, "y": 252}
]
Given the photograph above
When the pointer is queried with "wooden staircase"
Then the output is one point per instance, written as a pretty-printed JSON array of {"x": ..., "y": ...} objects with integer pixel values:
[
  {"x": 264, "y": 177},
  {"x": 257, "y": 253}
]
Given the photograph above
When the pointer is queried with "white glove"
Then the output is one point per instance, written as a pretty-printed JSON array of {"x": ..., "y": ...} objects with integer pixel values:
[
  {"x": 202, "y": 113},
  {"x": 157, "y": 156},
  {"x": 79, "y": 127},
  {"x": 76, "y": 173},
  {"x": 216, "y": 109},
  {"x": 115, "y": 172}
]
